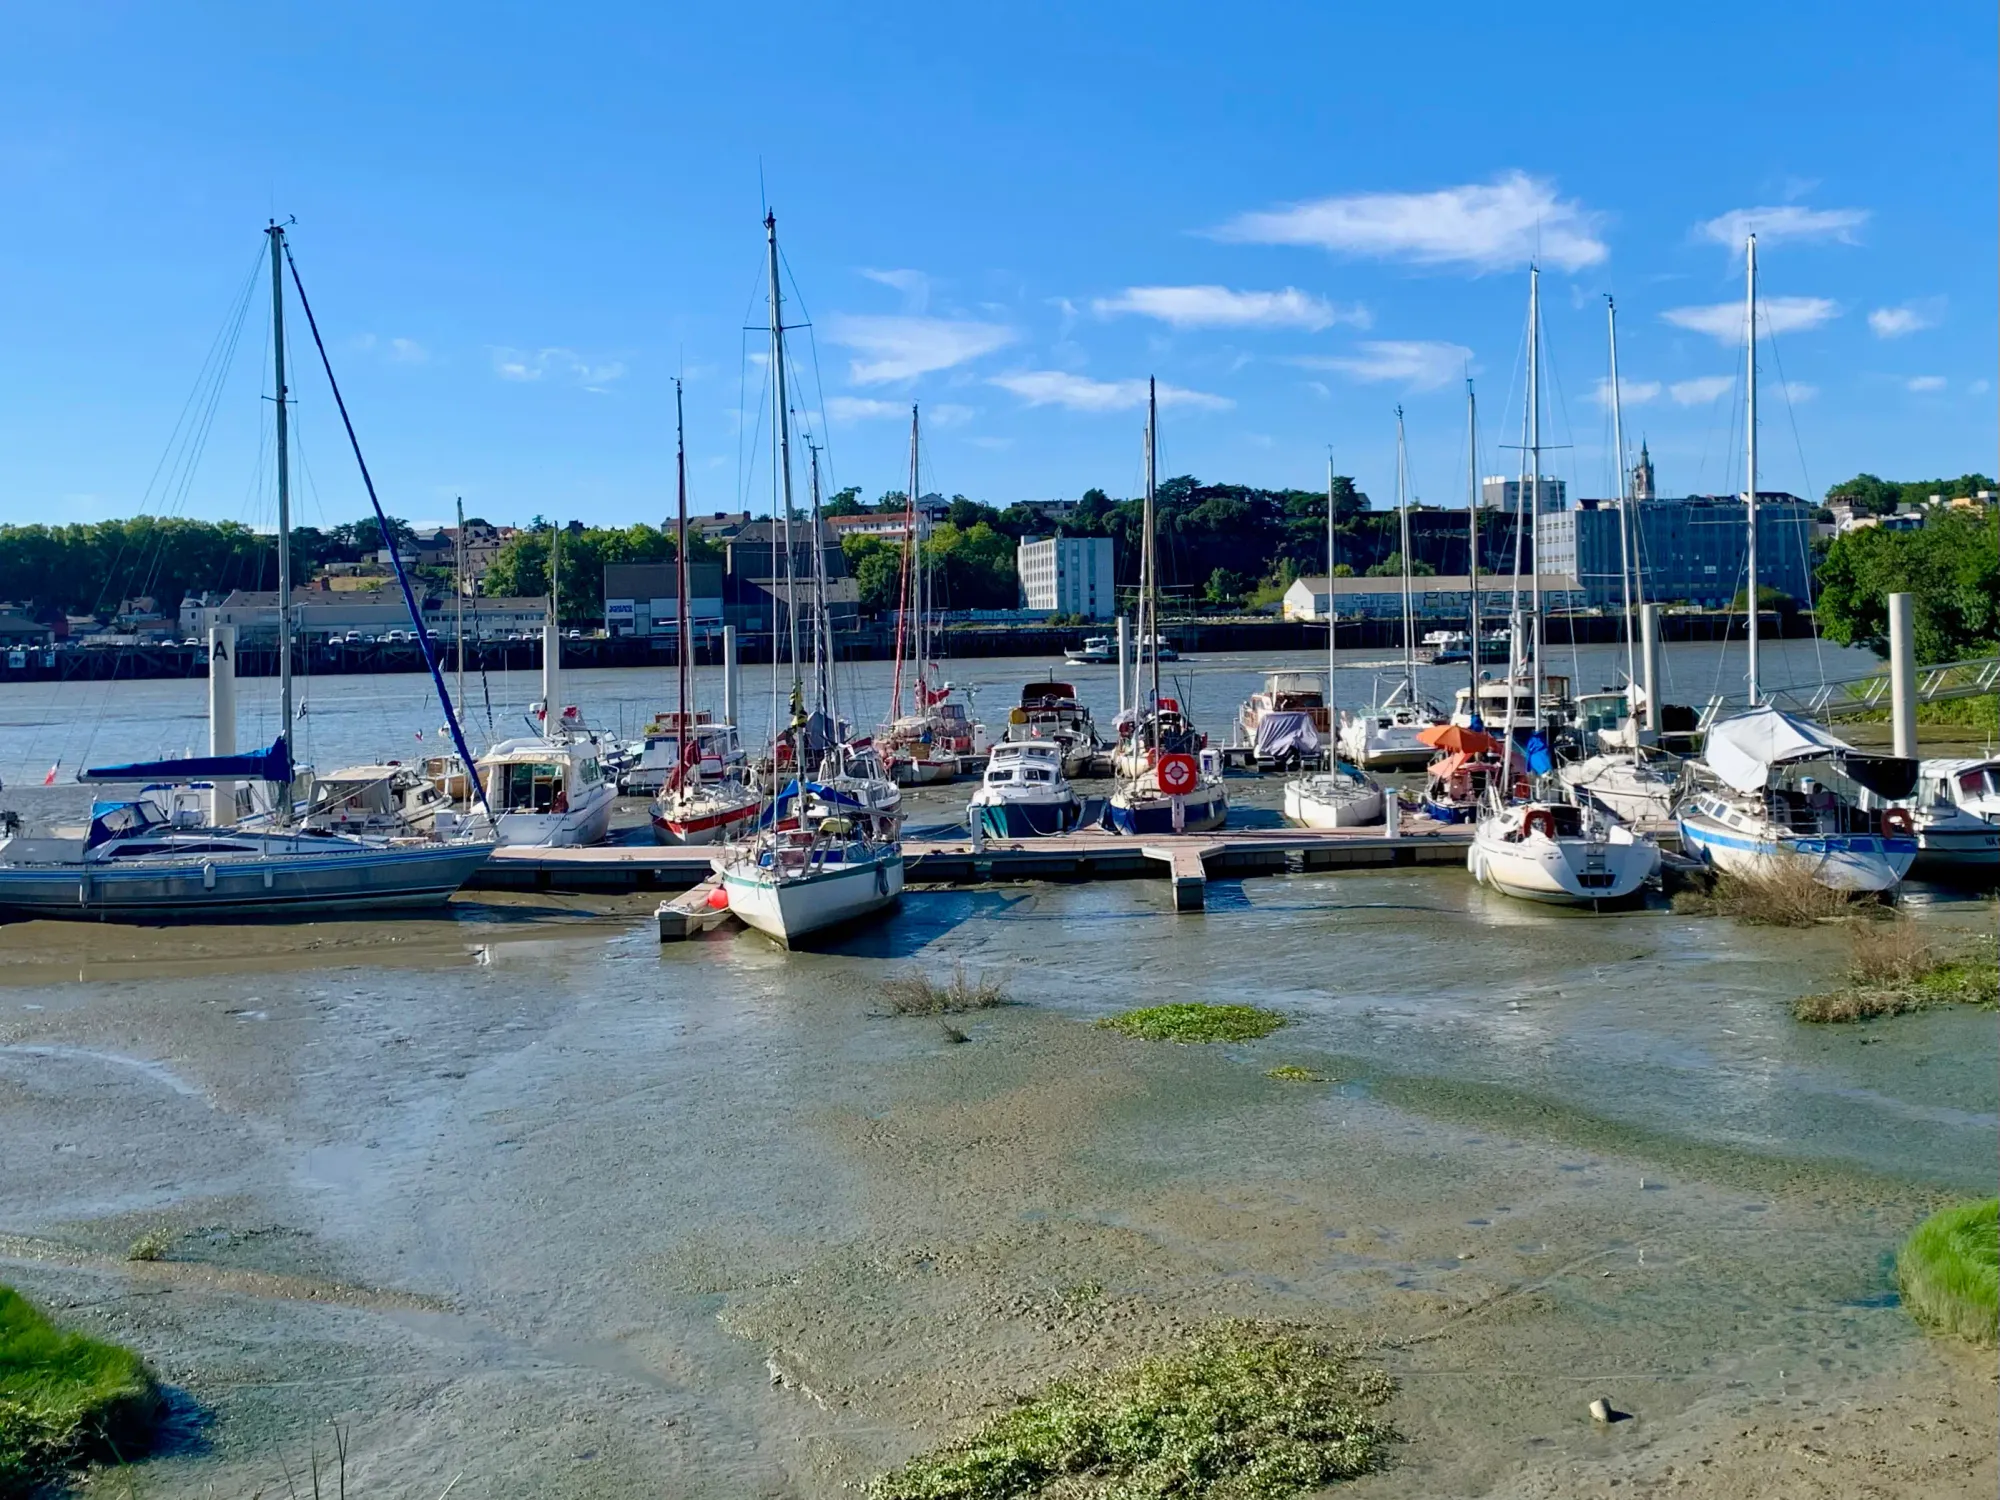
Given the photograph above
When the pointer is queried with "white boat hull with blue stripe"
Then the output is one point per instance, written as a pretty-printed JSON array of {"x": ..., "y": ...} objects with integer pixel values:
[{"x": 1735, "y": 840}]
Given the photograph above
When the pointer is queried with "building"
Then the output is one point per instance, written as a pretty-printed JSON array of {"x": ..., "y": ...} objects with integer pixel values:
[
  {"x": 1690, "y": 551},
  {"x": 890, "y": 528},
  {"x": 1642, "y": 475},
  {"x": 1436, "y": 597},
  {"x": 1066, "y": 575},
  {"x": 643, "y": 598},
  {"x": 716, "y": 525},
  {"x": 1498, "y": 492},
  {"x": 17, "y": 628},
  {"x": 755, "y": 552}
]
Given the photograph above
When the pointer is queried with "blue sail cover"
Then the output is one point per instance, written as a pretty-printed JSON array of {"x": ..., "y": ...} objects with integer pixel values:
[
  {"x": 274, "y": 765},
  {"x": 780, "y": 807}
]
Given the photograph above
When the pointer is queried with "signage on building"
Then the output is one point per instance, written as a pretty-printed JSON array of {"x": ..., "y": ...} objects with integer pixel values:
[{"x": 618, "y": 609}]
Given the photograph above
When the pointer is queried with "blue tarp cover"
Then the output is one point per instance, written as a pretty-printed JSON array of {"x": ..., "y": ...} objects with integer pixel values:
[{"x": 274, "y": 764}]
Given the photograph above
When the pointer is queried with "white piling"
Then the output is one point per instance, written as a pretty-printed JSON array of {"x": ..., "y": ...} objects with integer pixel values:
[
  {"x": 729, "y": 683},
  {"x": 1652, "y": 676},
  {"x": 1903, "y": 674},
  {"x": 1124, "y": 660},
  {"x": 222, "y": 717}
]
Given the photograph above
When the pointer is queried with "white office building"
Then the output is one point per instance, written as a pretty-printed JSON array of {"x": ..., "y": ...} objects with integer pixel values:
[
  {"x": 1066, "y": 575},
  {"x": 1498, "y": 492}
]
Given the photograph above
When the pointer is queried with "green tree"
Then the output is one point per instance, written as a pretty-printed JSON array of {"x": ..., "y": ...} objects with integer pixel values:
[
  {"x": 1767, "y": 598},
  {"x": 1392, "y": 567},
  {"x": 1951, "y": 565},
  {"x": 1225, "y": 587},
  {"x": 877, "y": 569},
  {"x": 1865, "y": 492},
  {"x": 847, "y": 502}
]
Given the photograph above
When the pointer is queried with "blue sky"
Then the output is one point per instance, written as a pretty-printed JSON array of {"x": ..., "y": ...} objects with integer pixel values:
[{"x": 519, "y": 224}]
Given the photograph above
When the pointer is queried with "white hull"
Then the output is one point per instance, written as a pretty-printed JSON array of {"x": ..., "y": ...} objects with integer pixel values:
[
  {"x": 1367, "y": 743},
  {"x": 791, "y": 907},
  {"x": 708, "y": 817},
  {"x": 1326, "y": 802},
  {"x": 576, "y": 828},
  {"x": 1578, "y": 870},
  {"x": 1843, "y": 862},
  {"x": 1631, "y": 791}
]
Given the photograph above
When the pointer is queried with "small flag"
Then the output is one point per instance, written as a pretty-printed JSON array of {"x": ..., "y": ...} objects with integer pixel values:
[{"x": 50, "y": 779}]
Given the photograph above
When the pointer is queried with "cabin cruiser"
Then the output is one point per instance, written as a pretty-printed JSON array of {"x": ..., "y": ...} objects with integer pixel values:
[
  {"x": 1024, "y": 792},
  {"x": 545, "y": 794},
  {"x": 1559, "y": 853},
  {"x": 1050, "y": 711},
  {"x": 1300, "y": 694},
  {"x": 660, "y": 752},
  {"x": 1096, "y": 651},
  {"x": 1955, "y": 811},
  {"x": 1169, "y": 781},
  {"x": 1387, "y": 735},
  {"x": 1503, "y": 701},
  {"x": 1769, "y": 797}
]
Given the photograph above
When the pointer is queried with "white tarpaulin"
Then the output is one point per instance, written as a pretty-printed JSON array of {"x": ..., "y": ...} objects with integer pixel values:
[
  {"x": 1279, "y": 734},
  {"x": 1742, "y": 750}
]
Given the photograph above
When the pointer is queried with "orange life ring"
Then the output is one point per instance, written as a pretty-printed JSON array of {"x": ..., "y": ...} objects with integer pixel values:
[
  {"x": 1897, "y": 822},
  {"x": 1179, "y": 774},
  {"x": 1539, "y": 818}
]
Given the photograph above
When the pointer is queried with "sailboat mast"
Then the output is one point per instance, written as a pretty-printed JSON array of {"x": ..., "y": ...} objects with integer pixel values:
[
  {"x": 1749, "y": 457},
  {"x": 1624, "y": 498},
  {"x": 458, "y": 588},
  {"x": 277, "y": 234},
  {"x": 1472, "y": 522},
  {"x": 781, "y": 439},
  {"x": 1409, "y": 612},
  {"x": 1332, "y": 628},
  {"x": 917, "y": 591},
  {"x": 822, "y": 628},
  {"x": 1152, "y": 606},
  {"x": 683, "y": 611},
  {"x": 1535, "y": 479}
]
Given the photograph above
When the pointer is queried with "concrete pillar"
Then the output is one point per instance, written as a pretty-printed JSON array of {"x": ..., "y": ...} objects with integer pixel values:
[
  {"x": 1651, "y": 677},
  {"x": 729, "y": 685},
  {"x": 1124, "y": 658},
  {"x": 1903, "y": 674},
  {"x": 222, "y": 717}
]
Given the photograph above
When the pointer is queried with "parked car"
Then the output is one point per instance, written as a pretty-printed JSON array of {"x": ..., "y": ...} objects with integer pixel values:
[{"x": 352, "y": 638}]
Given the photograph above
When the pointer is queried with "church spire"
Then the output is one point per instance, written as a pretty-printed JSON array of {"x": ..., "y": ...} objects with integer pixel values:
[{"x": 1642, "y": 474}]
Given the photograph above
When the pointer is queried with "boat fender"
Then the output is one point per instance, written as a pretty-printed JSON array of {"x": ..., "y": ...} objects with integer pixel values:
[
  {"x": 1897, "y": 822},
  {"x": 881, "y": 880}
]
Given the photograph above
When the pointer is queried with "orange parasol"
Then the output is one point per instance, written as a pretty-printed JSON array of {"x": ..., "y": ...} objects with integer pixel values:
[{"x": 1458, "y": 739}]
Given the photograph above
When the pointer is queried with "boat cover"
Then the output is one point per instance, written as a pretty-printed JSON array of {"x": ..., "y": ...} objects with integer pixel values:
[
  {"x": 273, "y": 765},
  {"x": 1282, "y": 732},
  {"x": 1742, "y": 751},
  {"x": 780, "y": 805}
]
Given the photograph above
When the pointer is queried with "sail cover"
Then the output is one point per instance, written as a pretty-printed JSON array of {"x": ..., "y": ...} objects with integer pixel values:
[
  {"x": 1281, "y": 733},
  {"x": 1742, "y": 750},
  {"x": 274, "y": 765}
]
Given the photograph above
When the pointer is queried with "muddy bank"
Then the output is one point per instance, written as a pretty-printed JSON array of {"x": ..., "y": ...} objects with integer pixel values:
[{"x": 530, "y": 1199}]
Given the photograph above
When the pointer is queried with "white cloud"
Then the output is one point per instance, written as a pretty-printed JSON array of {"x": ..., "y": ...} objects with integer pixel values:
[
  {"x": 1798, "y": 392},
  {"x": 1632, "y": 392},
  {"x": 862, "y": 409},
  {"x": 947, "y": 414},
  {"x": 1723, "y": 321},
  {"x": 914, "y": 285},
  {"x": 1978, "y": 388},
  {"x": 408, "y": 352},
  {"x": 1219, "y": 307},
  {"x": 1485, "y": 226},
  {"x": 1701, "y": 390},
  {"x": 1789, "y": 221},
  {"x": 1060, "y": 388},
  {"x": 1895, "y": 322},
  {"x": 1923, "y": 383},
  {"x": 561, "y": 364},
  {"x": 1419, "y": 364},
  {"x": 902, "y": 348}
]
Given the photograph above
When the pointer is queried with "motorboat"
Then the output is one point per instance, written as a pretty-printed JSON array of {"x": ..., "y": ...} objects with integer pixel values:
[
  {"x": 1955, "y": 813},
  {"x": 1024, "y": 792},
  {"x": 1049, "y": 710},
  {"x": 1777, "y": 791},
  {"x": 803, "y": 873},
  {"x": 662, "y": 748},
  {"x": 1511, "y": 699},
  {"x": 1096, "y": 651},
  {"x": 1387, "y": 735},
  {"x": 1297, "y": 693},
  {"x": 1625, "y": 784},
  {"x": 1343, "y": 797},
  {"x": 1560, "y": 853},
  {"x": 544, "y": 794}
]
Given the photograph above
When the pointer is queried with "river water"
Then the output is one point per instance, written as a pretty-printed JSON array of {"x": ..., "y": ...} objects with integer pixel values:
[{"x": 520, "y": 1196}]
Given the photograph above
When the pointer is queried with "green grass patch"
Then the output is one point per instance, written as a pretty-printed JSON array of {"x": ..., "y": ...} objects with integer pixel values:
[
  {"x": 1293, "y": 1073},
  {"x": 64, "y": 1398},
  {"x": 1246, "y": 1412},
  {"x": 1195, "y": 1022},
  {"x": 1896, "y": 969},
  {"x": 1949, "y": 1271}
]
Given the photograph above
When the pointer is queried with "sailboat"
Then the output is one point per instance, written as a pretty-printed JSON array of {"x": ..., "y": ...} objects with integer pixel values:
[
  {"x": 1622, "y": 780},
  {"x": 819, "y": 859},
  {"x": 138, "y": 861},
  {"x": 1341, "y": 796},
  {"x": 1770, "y": 795},
  {"x": 931, "y": 743},
  {"x": 1165, "y": 784},
  {"x": 1533, "y": 848},
  {"x": 1386, "y": 734},
  {"x": 547, "y": 790},
  {"x": 693, "y": 808}
]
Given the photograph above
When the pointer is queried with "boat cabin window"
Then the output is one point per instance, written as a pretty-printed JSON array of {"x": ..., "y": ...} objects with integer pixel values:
[
  {"x": 1034, "y": 773},
  {"x": 530, "y": 786},
  {"x": 1978, "y": 782}
]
